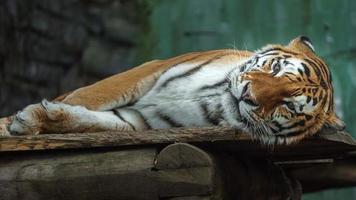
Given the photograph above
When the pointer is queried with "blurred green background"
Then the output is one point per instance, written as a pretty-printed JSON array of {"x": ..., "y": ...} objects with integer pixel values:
[{"x": 179, "y": 26}]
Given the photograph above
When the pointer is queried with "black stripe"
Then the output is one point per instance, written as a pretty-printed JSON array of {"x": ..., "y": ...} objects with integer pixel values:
[
  {"x": 331, "y": 101},
  {"x": 236, "y": 102},
  {"x": 301, "y": 108},
  {"x": 306, "y": 69},
  {"x": 242, "y": 68},
  {"x": 264, "y": 62},
  {"x": 308, "y": 117},
  {"x": 322, "y": 66},
  {"x": 214, "y": 120},
  {"x": 213, "y": 86},
  {"x": 117, "y": 113},
  {"x": 314, "y": 101},
  {"x": 308, "y": 99},
  {"x": 183, "y": 61},
  {"x": 319, "y": 73},
  {"x": 297, "y": 132},
  {"x": 192, "y": 71},
  {"x": 315, "y": 67},
  {"x": 168, "y": 120},
  {"x": 278, "y": 125},
  {"x": 143, "y": 118},
  {"x": 321, "y": 95},
  {"x": 299, "y": 123},
  {"x": 271, "y": 54},
  {"x": 285, "y": 62},
  {"x": 300, "y": 72},
  {"x": 292, "y": 134},
  {"x": 290, "y": 77},
  {"x": 255, "y": 61},
  {"x": 277, "y": 49}
]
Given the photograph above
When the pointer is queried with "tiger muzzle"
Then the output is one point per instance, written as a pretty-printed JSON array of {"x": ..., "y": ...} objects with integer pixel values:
[{"x": 266, "y": 90}]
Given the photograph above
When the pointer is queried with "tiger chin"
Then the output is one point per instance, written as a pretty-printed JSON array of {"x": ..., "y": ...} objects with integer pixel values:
[{"x": 279, "y": 94}]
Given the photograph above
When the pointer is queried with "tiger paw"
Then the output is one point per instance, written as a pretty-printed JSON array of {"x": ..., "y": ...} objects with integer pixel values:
[
  {"x": 55, "y": 111},
  {"x": 4, "y": 124},
  {"x": 27, "y": 121}
]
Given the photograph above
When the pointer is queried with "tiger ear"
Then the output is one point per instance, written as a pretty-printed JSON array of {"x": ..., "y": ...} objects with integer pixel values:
[
  {"x": 303, "y": 44},
  {"x": 334, "y": 122}
]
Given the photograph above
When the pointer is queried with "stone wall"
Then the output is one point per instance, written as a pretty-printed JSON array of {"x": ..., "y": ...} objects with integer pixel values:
[{"x": 53, "y": 46}]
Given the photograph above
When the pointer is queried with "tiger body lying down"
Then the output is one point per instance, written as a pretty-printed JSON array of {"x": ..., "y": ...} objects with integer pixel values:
[{"x": 279, "y": 94}]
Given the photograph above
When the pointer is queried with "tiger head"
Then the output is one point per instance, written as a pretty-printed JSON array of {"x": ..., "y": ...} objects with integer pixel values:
[{"x": 285, "y": 93}]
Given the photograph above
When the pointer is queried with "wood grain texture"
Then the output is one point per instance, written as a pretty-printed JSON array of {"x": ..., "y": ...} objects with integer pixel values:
[
  {"x": 182, "y": 155},
  {"x": 140, "y": 174},
  {"x": 122, "y": 138},
  {"x": 216, "y": 137}
]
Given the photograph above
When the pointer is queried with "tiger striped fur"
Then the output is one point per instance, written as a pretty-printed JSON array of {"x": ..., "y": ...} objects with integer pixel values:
[{"x": 279, "y": 94}]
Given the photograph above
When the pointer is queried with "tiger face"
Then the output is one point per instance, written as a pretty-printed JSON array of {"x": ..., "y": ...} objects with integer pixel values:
[{"x": 284, "y": 93}]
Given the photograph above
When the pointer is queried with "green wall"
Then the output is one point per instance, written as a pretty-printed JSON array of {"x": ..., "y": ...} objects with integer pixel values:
[{"x": 179, "y": 26}]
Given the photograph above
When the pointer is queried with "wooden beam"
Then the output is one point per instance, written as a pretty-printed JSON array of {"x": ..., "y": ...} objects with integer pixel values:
[
  {"x": 216, "y": 137},
  {"x": 122, "y": 138},
  {"x": 100, "y": 174},
  {"x": 179, "y": 171},
  {"x": 341, "y": 173}
]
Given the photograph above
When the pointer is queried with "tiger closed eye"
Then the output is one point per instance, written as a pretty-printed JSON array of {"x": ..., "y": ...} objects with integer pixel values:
[{"x": 290, "y": 105}]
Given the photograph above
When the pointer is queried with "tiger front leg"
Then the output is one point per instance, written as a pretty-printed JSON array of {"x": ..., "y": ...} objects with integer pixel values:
[
  {"x": 56, "y": 117},
  {"x": 4, "y": 126},
  {"x": 65, "y": 118},
  {"x": 29, "y": 121}
]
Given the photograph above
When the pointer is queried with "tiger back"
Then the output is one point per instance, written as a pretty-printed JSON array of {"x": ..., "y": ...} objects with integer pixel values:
[{"x": 279, "y": 94}]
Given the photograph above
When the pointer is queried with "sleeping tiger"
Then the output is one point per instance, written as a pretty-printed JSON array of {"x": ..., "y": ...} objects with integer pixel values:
[{"x": 279, "y": 94}]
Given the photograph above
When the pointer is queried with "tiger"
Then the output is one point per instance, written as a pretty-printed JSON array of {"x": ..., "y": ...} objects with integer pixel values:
[{"x": 279, "y": 94}]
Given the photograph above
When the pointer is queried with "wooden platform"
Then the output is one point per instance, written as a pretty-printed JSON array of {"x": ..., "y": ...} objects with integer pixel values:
[{"x": 218, "y": 163}]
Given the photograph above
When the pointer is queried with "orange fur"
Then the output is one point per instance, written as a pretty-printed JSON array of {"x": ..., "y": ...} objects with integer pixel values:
[
  {"x": 268, "y": 91},
  {"x": 128, "y": 86}
]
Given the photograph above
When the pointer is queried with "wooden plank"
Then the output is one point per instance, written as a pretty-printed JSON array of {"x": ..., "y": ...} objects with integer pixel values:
[
  {"x": 320, "y": 177},
  {"x": 214, "y": 137},
  {"x": 123, "y": 138}
]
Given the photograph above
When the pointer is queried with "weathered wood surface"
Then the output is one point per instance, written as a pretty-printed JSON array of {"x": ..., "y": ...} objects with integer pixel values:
[
  {"x": 126, "y": 174},
  {"x": 178, "y": 172},
  {"x": 340, "y": 173},
  {"x": 133, "y": 169},
  {"x": 216, "y": 137},
  {"x": 122, "y": 138}
]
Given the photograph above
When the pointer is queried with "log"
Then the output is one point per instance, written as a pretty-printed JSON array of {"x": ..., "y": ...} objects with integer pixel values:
[
  {"x": 86, "y": 175},
  {"x": 98, "y": 165},
  {"x": 333, "y": 175},
  {"x": 177, "y": 172},
  {"x": 125, "y": 174},
  {"x": 182, "y": 155}
]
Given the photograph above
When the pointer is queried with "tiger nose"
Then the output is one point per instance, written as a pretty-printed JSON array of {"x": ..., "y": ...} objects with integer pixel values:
[{"x": 246, "y": 95}]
